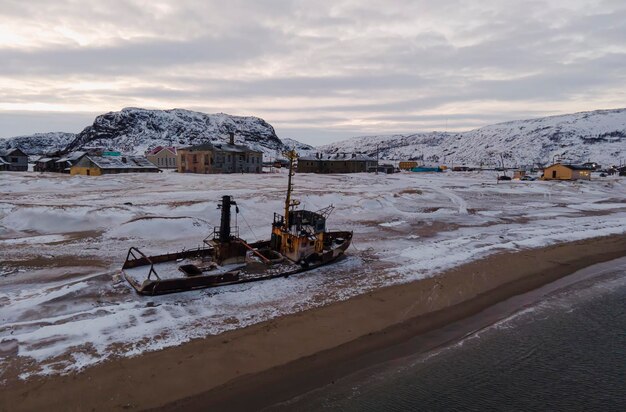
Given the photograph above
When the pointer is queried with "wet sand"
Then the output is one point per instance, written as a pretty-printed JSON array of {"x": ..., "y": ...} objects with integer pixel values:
[{"x": 258, "y": 366}]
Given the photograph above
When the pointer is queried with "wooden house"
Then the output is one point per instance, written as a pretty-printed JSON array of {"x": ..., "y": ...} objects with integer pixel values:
[
  {"x": 559, "y": 171},
  {"x": 163, "y": 157},
  {"x": 13, "y": 160}
]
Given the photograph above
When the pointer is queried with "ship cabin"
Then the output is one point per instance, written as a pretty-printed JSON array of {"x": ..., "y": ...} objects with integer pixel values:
[{"x": 301, "y": 236}]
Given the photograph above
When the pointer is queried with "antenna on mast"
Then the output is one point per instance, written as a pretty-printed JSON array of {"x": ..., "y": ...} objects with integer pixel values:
[{"x": 292, "y": 156}]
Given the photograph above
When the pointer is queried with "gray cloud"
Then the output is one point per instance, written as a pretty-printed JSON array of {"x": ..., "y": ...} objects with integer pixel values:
[{"x": 325, "y": 69}]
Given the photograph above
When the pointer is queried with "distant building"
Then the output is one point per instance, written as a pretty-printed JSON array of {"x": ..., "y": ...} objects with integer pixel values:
[
  {"x": 44, "y": 164},
  {"x": 163, "y": 157},
  {"x": 383, "y": 168},
  {"x": 57, "y": 164},
  {"x": 13, "y": 160},
  {"x": 407, "y": 165},
  {"x": 518, "y": 174},
  {"x": 90, "y": 165},
  {"x": 560, "y": 171},
  {"x": 219, "y": 158},
  {"x": 336, "y": 163},
  {"x": 592, "y": 165}
]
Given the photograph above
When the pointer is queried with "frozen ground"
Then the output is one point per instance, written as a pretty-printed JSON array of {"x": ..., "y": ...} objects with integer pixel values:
[{"x": 63, "y": 305}]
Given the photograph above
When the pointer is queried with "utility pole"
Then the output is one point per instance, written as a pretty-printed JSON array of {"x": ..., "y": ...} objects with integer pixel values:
[{"x": 377, "y": 158}]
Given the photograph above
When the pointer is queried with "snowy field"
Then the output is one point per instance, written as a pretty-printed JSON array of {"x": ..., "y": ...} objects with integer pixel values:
[{"x": 63, "y": 239}]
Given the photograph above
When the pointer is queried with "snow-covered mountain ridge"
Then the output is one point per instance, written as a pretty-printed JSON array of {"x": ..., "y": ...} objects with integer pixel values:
[
  {"x": 39, "y": 143},
  {"x": 135, "y": 130},
  {"x": 598, "y": 136}
]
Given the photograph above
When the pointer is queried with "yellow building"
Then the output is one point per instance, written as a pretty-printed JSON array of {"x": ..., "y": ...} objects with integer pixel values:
[
  {"x": 407, "y": 165},
  {"x": 560, "y": 171},
  {"x": 89, "y": 165}
]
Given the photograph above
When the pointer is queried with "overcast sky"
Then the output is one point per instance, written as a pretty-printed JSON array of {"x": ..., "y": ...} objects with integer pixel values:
[{"x": 317, "y": 70}]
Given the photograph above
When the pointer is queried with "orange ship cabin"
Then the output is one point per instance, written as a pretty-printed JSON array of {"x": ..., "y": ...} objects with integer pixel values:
[{"x": 301, "y": 236}]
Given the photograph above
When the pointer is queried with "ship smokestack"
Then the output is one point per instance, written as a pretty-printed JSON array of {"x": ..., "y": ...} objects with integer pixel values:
[{"x": 225, "y": 220}]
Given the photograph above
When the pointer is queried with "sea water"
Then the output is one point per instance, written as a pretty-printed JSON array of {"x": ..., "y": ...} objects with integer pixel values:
[{"x": 566, "y": 352}]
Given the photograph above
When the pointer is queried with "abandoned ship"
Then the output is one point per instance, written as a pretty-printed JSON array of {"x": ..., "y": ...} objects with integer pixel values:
[{"x": 299, "y": 242}]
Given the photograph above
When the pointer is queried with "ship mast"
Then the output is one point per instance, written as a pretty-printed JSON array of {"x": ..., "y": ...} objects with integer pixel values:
[{"x": 292, "y": 156}]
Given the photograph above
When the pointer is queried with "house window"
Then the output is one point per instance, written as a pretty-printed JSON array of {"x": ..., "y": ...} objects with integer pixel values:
[
  {"x": 195, "y": 158},
  {"x": 14, "y": 160}
]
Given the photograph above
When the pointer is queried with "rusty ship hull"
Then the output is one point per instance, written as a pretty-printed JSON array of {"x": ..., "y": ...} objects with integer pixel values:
[{"x": 163, "y": 274}]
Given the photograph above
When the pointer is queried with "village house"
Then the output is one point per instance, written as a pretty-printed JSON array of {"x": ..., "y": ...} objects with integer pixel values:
[
  {"x": 57, "y": 164},
  {"x": 163, "y": 157},
  {"x": 559, "y": 171},
  {"x": 336, "y": 163},
  {"x": 90, "y": 165},
  {"x": 13, "y": 160},
  {"x": 219, "y": 158}
]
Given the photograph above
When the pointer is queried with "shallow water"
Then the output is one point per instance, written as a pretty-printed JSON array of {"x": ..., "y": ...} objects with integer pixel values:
[{"x": 565, "y": 352}]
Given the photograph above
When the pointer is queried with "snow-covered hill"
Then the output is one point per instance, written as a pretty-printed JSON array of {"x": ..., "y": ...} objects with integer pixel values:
[
  {"x": 39, "y": 143},
  {"x": 134, "y": 130},
  {"x": 302, "y": 148},
  {"x": 598, "y": 136}
]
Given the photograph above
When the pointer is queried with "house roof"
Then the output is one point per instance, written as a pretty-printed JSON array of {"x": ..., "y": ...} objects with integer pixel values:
[
  {"x": 11, "y": 152},
  {"x": 158, "y": 149},
  {"x": 3, "y": 162},
  {"x": 225, "y": 147},
  {"x": 71, "y": 157},
  {"x": 577, "y": 167},
  {"x": 570, "y": 166},
  {"x": 117, "y": 162},
  {"x": 340, "y": 157}
]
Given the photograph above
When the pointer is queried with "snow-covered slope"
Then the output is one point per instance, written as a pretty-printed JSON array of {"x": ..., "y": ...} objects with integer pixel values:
[
  {"x": 598, "y": 136},
  {"x": 39, "y": 143},
  {"x": 303, "y": 149},
  {"x": 134, "y": 130}
]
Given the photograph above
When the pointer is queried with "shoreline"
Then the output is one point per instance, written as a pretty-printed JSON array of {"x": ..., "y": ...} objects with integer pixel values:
[{"x": 273, "y": 361}]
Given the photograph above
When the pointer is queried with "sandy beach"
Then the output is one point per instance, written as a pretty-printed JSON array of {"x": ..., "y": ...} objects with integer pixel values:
[{"x": 272, "y": 361}]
